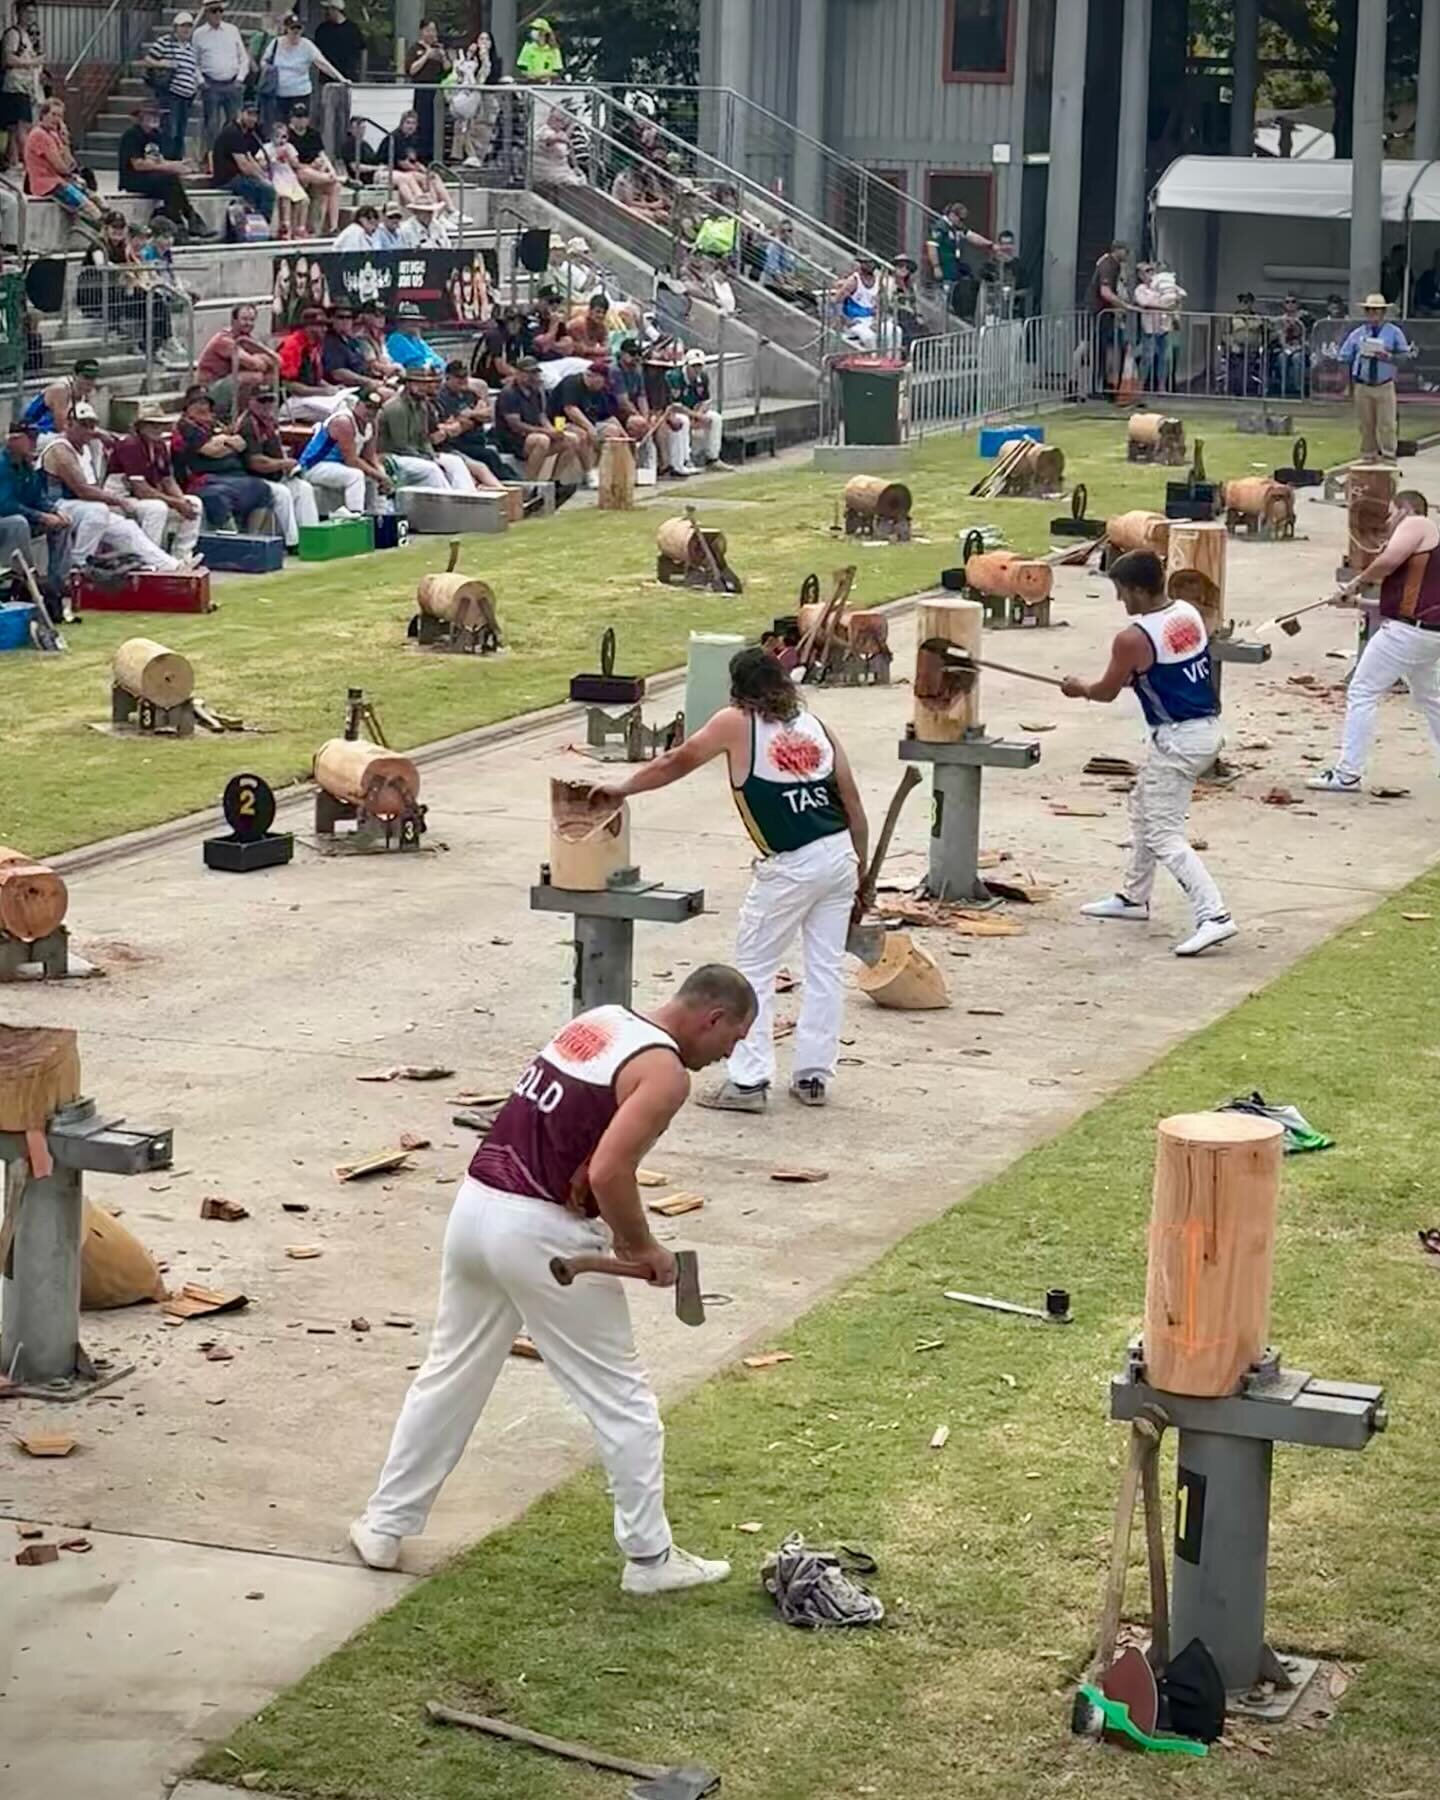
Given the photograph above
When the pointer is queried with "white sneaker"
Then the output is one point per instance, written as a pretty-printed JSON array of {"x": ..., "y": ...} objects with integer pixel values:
[
  {"x": 592, "y": 478},
  {"x": 1116, "y": 906},
  {"x": 1331, "y": 781},
  {"x": 690, "y": 469},
  {"x": 730, "y": 1097},
  {"x": 375, "y": 1548},
  {"x": 1213, "y": 931},
  {"x": 679, "y": 1570}
]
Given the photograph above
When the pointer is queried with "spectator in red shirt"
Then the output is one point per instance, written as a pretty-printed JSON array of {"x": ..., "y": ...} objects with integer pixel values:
[
  {"x": 51, "y": 172},
  {"x": 235, "y": 350},
  {"x": 141, "y": 471},
  {"x": 309, "y": 397}
]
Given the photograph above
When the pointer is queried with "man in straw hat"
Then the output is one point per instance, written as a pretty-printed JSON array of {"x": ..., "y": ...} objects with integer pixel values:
[{"x": 1370, "y": 353}]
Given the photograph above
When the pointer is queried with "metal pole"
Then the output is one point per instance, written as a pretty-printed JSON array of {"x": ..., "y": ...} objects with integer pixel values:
[
  {"x": 1427, "y": 84},
  {"x": 1367, "y": 152},
  {"x": 808, "y": 192},
  {"x": 1244, "y": 77},
  {"x": 955, "y": 833},
  {"x": 1067, "y": 128},
  {"x": 40, "y": 1297},
  {"x": 1222, "y": 1543},
  {"x": 504, "y": 33},
  {"x": 1134, "y": 122},
  {"x": 604, "y": 961}
]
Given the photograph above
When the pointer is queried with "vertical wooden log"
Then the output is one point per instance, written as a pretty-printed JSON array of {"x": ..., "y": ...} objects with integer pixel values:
[
  {"x": 1369, "y": 489},
  {"x": 589, "y": 836},
  {"x": 946, "y": 706},
  {"x": 617, "y": 475},
  {"x": 1195, "y": 568},
  {"x": 1212, "y": 1246}
]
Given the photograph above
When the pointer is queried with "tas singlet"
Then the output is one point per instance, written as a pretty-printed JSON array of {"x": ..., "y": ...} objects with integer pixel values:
[{"x": 789, "y": 798}]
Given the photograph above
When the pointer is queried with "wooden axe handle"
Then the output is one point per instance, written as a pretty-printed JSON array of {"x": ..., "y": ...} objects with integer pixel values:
[
  {"x": 910, "y": 779},
  {"x": 1280, "y": 618},
  {"x": 1000, "y": 668},
  {"x": 566, "y": 1268}
]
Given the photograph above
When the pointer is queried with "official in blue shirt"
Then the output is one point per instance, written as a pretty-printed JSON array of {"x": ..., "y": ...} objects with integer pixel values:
[
  {"x": 25, "y": 507},
  {"x": 405, "y": 346},
  {"x": 1370, "y": 353}
]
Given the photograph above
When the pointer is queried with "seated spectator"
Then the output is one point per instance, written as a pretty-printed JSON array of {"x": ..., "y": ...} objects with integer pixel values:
[
  {"x": 780, "y": 269},
  {"x": 692, "y": 417},
  {"x": 397, "y": 230},
  {"x": 588, "y": 402},
  {"x": 551, "y": 332},
  {"x": 51, "y": 172},
  {"x": 423, "y": 194},
  {"x": 210, "y": 463},
  {"x": 144, "y": 170},
  {"x": 280, "y": 167},
  {"x": 141, "y": 470},
  {"x": 347, "y": 355},
  {"x": 309, "y": 394},
  {"x": 403, "y": 141},
  {"x": 553, "y": 129},
  {"x": 235, "y": 349},
  {"x": 627, "y": 383},
  {"x": 361, "y": 165},
  {"x": 523, "y": 428},
  {"x": 403, "y": 431},
  {"x": 590, "y": 329},
  {"x": 318, "y": 175},
  {"x": 101, "y": 521},
  {"x": 25, "y": 496},
  {"x": 340, "y": 459},
  {"x": 371, "y": 321},
  {"x": 292, "y": 499},
  {"x": 237, "y": 159},
  {"x": 461, "y": 415},
  {"x": 574, "y": 274},
  {"x": 634, "y": 188},
  {"x": 48, "y": 413},
  {"x": 406, "y": 347},
  {"x": 362, "y": 234},
  {"x": 501, "y": 343}
]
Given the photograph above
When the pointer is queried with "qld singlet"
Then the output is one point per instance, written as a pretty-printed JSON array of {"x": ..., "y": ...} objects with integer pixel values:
[
  {"x": 545, "y": 1134},
  {"x": 1180, "y": 683},
  {"x": 789, "y": 798}
]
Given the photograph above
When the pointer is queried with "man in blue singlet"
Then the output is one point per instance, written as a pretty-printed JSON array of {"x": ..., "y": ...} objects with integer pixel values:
[{"x": 1164, "y": 655}]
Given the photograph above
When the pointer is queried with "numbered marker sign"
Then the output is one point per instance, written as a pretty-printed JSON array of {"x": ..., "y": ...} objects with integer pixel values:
[{"x": 249, "y": 807}]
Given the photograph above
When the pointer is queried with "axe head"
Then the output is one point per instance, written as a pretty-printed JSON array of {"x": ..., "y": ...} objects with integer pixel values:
[
  {"x": 689, "y": 1306},
  {"x": 688, "y": 1782},
  {"x": 942, "y": 671},
  {"x": 866, "y": 942}
]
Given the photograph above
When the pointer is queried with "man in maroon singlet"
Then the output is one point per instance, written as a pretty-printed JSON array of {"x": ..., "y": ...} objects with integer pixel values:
[{"x": 556, "y": 1176}]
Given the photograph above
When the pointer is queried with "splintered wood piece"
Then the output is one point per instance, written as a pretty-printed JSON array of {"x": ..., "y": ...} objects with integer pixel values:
[
  {"x": 303, "y": 1252},
  {"x": 799, "y": 1174},
  {"x": 768, "y": 1359},
  {"x": 940, "y": 1438},
  {"x": 33, "y": 898},
  {"x": 524, "y": 1348},
  {"x": 46, "y": 1443},
  {"x": 34, "y": 1554},
  {"x": 970, "y": 924},
  {"x": 215, "y": 1206},
  {"x": 412, "y": 1140},
  {"x": 905, "y": 977},
  {"x": 77, "y": 1545},
  {"x": 1066, "y": 811},
  {"x": 1030, "y": 893},
  {"x": 380, "y": 1164},
  {"x": 39, "y": 1072},
  {"x": 675, "y": 1205},
  {"x": 650, "y": 1178},
  {"x": 408, "y": 1072},
  {"x": 194, "y": 1301}
]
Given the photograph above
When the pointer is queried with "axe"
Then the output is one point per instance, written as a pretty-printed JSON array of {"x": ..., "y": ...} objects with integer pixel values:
[
  {"x": 867, "y": 941},
  {"x": 959, "y": 664},
  {"x": 1289, "y": 622},
  {"x": 684, "y": 1781},
  {"x": 689, "y": 1304}
]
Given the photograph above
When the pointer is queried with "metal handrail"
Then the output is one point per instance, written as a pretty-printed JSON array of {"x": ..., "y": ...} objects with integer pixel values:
[{"x": 92, "y": 40}]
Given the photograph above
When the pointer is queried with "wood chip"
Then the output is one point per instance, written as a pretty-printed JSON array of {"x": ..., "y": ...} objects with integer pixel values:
[
  {"x": 799, "y": 1174},
  {"x": 77, "y": 1545},
  {"x": 468, "y": 1099},
  {"x": 1047, "y": 725},
  {"x": 940, "y": 1438},
  {"x": 769, "y": 1359},
  {"x": 524, "y": 1348},
  {"x": 193, "y": 1301},
  {"x": 650, "y": 1178},
  {"x": 46, "y": 1443},
  {"x": 412, "y": 1140},
  {"x": 786, "y": 983},
  {"x": 219, "y": 1353},
  {"x": 399, "y": 1321},
  {"x": 970, "y": 924},
  {"x": 215, "y": 1206},
  {"x": 784, "y": 1028},
  {"x": 930, "y": 1344},
  {"x": 303, "y": 1252},
  {"x": 359, "y": 1324},
  {"x": 1278, "y": 796},
  {"x": 379, "y": 1164},
  {"x": 750, "y": 1526},
  {"x": 986, "y": 1012},
  {"x": 295, "y": 1206},
  {"x": 319, "y": 1331},
  {"x": 1079, "y": 812},
  {"x": 1417, "y": 918},
  {"x": 34, "y": 1554},
  {"x": 1110, "y": 765},
  {"x": 673, "y": 1206},
  {"x": 408, "y": 1072},
  {"x": 1339, "y": 1681},
  {"x": 1030, "y": 893},
  {"x": 30, "y": 1531}
]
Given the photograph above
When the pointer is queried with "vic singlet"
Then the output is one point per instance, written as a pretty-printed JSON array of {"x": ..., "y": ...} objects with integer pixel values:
[
  {"x": 789, "y": 798},
  {"x": 1180, "y": 682},
  {"x": 546, "y": 1132}
]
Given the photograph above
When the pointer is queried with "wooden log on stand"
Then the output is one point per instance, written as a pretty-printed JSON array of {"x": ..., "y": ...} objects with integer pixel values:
[
  {"x": 1036, "y": 468},
  {"x": 1369, "y": 489},
  {"x": 1195, "y": 569},
  {"x": 151, "y": 672},
  {"x": 1155, "y": 437},
  {"x": 589, "y": 837},
  {"x": 39, "y": 1072},
  {"x": 1270, "y": 503},
  {"x": 1003, "y": 572},
  {"x": 873, "y": 497},
  {"x": 382, "y": 784},
  {"x": 1138, "y": 531},
  {"x": 1212, "y": 1246},
  {"x": 679, "y": 539},
  {"x": 33, "y": 898},
  {"x": 460, "y": 600},
  {"x": 946, "y": 703}
]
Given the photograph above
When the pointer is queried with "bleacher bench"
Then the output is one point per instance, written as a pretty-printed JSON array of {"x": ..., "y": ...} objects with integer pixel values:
[{"x": 741, "y": 442}]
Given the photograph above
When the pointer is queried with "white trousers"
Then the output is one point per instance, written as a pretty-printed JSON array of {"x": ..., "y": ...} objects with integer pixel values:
[
  {"x": 809, "y": 892},
  {"x": 310, "y": 409},
  {"x": 339, "y": 478},
  {"x": 158, "y": 522},
  {"x": 293, "y": 502},
  {"x": 97, "y": 525},
  {"x": 1395, "y": 652},
  {"x": 1159, "y": 804},
  {"x": 447, "y": 471},
  {"x": 494, "y": 1275},
  {"x": 709, "y": 429}
]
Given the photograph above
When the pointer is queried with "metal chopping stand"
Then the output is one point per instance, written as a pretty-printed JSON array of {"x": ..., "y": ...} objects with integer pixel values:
[
  {"x": 954, "y": 872},
  {"x": 605, "y": 920}
]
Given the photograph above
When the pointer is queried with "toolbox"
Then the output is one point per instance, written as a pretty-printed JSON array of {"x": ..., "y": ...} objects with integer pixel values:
[
  {"x": 241, "y": 552},
  {"x": 334, "y": 538},
  {"x": 143, "y": 591}
]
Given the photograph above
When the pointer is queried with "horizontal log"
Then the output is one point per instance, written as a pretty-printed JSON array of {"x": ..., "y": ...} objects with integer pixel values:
[
  {"x": 33, "y": 898},
  {"x": 1003, "y": 572},
  {"x": 367, "y": 775},
  {"x": 151, "y": 672},
  {"x": 873, "y": 496}
]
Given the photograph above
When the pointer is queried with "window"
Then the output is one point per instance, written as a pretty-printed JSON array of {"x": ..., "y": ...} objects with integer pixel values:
[
  {"x": 973, "y": 188},
  {"x": 981, "y": 40}
]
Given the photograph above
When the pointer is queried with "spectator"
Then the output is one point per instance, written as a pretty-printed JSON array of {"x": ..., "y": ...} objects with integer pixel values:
[
  {"x": 1291, "y": 338},
  {"x": 477, "y": 68},
  {"x": 405, "y": 346},
  {"x": 500, "y": 345},
  {"x": 1392, "y": 274},
  {"x": 1371, "y": 353},
  {"x": 859, "y": 300},
  {"x": 286, "y": 67},
  {"x": 692, "y": 417},
  {"x": 396, "y": 231},
  {"x": 403, "y": 429},
  {"x": 780, "y": 267},
  {"x": 587, "y": 401},
  {"x": 209, "y": 463},
  {"x": 461, "y": 415},
  {"x": 361, "y": 165},
  {"x": 553, "y": 131},
  {"x": 627, "y": 383},
  {"x": 362, "y": 233},
  {"x": 160, "y": 284},
  {"x": 22, "y": 76},
  {"x": 100, "y": 521},
  {"x": 576, "y": 273},
  {"x": 236, "y": 350},
  {"x": 945, "y": 253},
  {"x": 635, "y": 190},
  {"x": 1427, "y": 289},
  {"x": 141, "y": 470},
  {"x": 1107, "y": 303},
  {"x": 171, "y": 69},
  {"x": 590, "y": 329},
  {"x": 237, "y": 159},
  {"x": 49, "y": 412},
  {"x": 309, "y": 395},
  {"x": 24, "y": 495},
  {"x": 107, "y": 286},
  {"x": 340, "y": 40},
  {"x": 905, "y": 298},
  {"x": 428, "y": 66},
  {"x": 224, "y": 64},
  {"x": 523, "y": 428},
  {"x": 292, "y": 498},
  {"x": 348, "y": 356},
  {"x": 371, "y": 320},
  {"x": 1159, "y": 298},
  {"x": 318, "y": 175},
  {"x": 50, "y": 169},
  {"x": 539, "y": 59},
  {"x": 1243, "y": 340},
  {"x": 552, "y": 327},
  {"x": 340, "y": 459},
  {"x": 402, "y": 141},
  {"x": 423, "y": 194},
  {"x": 144, "y": 169},
  {"x": 281, "y": 168}
]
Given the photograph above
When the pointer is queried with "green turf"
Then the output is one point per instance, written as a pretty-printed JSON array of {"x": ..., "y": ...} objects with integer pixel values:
[
  {"x": 991, "y": 1551},
  {"x": 282, "y": 649}
]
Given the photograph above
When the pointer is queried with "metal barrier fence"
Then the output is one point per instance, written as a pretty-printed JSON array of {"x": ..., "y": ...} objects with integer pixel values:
[{"x": 1015, "y": 365}]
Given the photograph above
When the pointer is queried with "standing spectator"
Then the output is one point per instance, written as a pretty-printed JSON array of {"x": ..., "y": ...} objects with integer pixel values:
[
  {"x": 1371, "y": 353},
  {"x": 461, "y": 414},
  {"x": 1427, "y": 289},
  {"x": 286, "y": 70},
  {"x": 906, "y": 300},
  {"x": 22, "y": 75},
  {"x": 1292, "y": 349},
  {"x": 1159, "y": 297},
  {"x": 692, "y": 417},
  {"x": 1392, "y": 275},
  {"x": 427, "y": 68},
  {"x": 141, "y": 470},
  {"x": 236, "y": 350},
  {"x": 523, "y": 428},
  {"x": 362, "y": 233},
  {"x": 340, "y": 40},
  {"x": 1106, "y": 303},
  {"x": 309, "y": 395},
  {"x": 172, "y": 69},
  {"x": 144, "y": 169},
  {"x": 292, "y": 499},
  {"x": 209, "y": 464},
  {"x": 108, "y": 286},
  {"x": 50, "y": 169},
  {"x": 159, "y": 279},
  {"x": 24, "y": 494},
  {"x": 224, "y": 64},
  {"x": 237, "y": 159},
  {"x": 340, "y": 459},
  {"x": 478, "y": 68},
  {"x": 406, "y": 347},
  {"x": 539, "y": 58},
  {"x": 318, "y": 175},
  {"x": 403, "y": 430},
  {"x": 101, "y": 521},
  {"x": 945, "y": 253},
  {"x": 281, "y": 166}
]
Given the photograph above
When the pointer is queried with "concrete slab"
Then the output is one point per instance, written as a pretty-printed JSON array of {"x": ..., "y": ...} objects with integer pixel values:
[
  {"x": 242, "y": 1009},
  {"x": 860, "y": 459}
]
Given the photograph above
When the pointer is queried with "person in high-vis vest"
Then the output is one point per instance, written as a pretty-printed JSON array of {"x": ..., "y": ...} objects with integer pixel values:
[
  {"x": 796, "y": 793},
  {"x": 1164, "y": 655}
]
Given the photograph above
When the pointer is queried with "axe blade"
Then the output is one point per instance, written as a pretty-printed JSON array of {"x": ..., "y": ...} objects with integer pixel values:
[
  {"x": 688, "y": 1782},
  {"x": 689, "y": 1305}
]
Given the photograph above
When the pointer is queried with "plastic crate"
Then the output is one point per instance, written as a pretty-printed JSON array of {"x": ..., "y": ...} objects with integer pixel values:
[
  {"x": 994, "y": 438},
  {"x": 15, "y": 617},
  {"x": 334, "y": 538}
]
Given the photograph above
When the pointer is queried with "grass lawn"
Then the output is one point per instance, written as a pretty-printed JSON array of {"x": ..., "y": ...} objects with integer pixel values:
[
  {"x": 282, "y": 649},
  {"x": 991, "y": 1551}
]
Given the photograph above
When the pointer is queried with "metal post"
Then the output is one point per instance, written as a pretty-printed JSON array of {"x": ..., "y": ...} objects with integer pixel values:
[
  {"x": 40, "y": 1297},
  {"x": 1367, "y": 152},
  {"x": 1133, "y": 133},
  {"x": 504, "y": 32},
  {"x": 1427, "y": 84},
  {"x": 955, "y": 834},
  {"x": 1244, "y": 76},
  {"x": 604, "y": 962},
  {"x": 1067, "y": 129},
  {"x": 810, "y": 53},
  {"x": 1222, "y": 1546}
]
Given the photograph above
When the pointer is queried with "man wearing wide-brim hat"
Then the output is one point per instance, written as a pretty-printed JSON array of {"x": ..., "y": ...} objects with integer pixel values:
[{"x": 1370, "y": 353}]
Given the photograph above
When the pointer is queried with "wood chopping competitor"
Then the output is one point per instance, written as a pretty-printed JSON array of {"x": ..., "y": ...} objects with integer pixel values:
[
  {"x": 556, "y": 1177},
  {"x": 796, "y": 793}
]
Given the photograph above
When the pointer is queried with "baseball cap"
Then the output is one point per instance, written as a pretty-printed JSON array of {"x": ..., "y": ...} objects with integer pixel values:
[
  {"x": 88, "y": 369},
  {"x": 693, "y": 356},
  {"x": 528, "y": 365},
  {"x": 84, "y": 413},
  {"x": 184, "y": 18}
]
